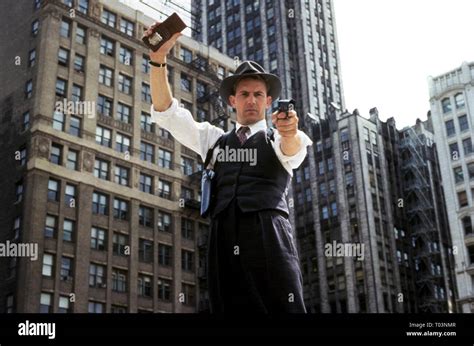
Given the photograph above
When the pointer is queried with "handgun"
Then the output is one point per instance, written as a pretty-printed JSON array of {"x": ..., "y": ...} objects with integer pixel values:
[{"x": 285, "y": 106}]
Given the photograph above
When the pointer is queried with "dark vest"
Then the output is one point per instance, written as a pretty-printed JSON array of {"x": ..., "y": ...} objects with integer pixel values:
[{"x": 262, "y": 186}]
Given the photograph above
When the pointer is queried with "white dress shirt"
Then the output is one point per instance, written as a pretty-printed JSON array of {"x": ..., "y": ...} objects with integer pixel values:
[{"x": 200, "y": 137}]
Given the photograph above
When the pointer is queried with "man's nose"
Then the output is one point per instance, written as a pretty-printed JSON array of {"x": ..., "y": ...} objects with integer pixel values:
[{"x": 251, "y": 100}]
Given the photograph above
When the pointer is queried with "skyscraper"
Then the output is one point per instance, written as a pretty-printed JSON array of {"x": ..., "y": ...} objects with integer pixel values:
[
  {"x": 110, "y": 199},
  {"x": 452, "y": 101}
]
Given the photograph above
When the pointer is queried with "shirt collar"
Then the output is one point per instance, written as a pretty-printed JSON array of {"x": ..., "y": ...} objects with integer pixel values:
[{"x": 254, "y": 128}]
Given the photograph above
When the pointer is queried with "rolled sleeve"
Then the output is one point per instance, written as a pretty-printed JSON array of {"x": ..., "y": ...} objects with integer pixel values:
[{"x": 295, "y": 160}]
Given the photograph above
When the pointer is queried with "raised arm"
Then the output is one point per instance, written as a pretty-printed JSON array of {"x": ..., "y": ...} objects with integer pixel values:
[{"x": 160, "y": 88}]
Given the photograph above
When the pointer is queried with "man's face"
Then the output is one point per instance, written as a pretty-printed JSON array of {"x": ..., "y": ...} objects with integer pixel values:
[{"x": 250, "y": 101}]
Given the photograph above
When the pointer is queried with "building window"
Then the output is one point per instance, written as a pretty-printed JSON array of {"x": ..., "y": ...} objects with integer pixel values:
[
  {"x": 9, "y": 304},
  {"x": 65, "y": 28},
  {"x": 48, "y": 265},
  {"x": 56, "y": 154},
  {"x": 98, "y": 241},
  {"x": 459, "y": 101},
  {"x": 463, "y": 123},
  {"x": 187, "y": 228},
  {"x": 66, "y": 268},
  {"x": 64, "y": 307},
  {"x": 458, "y": 175},
  {"x": 107, "y": 46},
  {"x": 122, "y": 143},
  {"x": 28, "y": 89},
  {"x": 120, "y": 209},
  {"x": 467, "y": 225},
  {"x": 126, "y": 56},
  {"x": 35, "y": 27},
  {"x": 75, "y": 126},
  {"x": 145, "y": 251},
  {"x": 164, "y": 158},
  {"x": 121, "y": 175},
  {"x": 164, "y": 189},
  {"x": 18, "y": 191},
  {"x": 100, "y": 203},
  {"x": 123, "y": 113},
  {"x": 25, "y": 124},
  {"x": 146, "y": 123},
  {"x": 321, "y": 167},
  {"x": 186, "y": 55},
  {"x": 164, "y": 222},
  {"x": 470, "y": 169},
  {"x": 83, "y": 6},
  {"x": 96, "y": 307},
  {"x": 144, "y": 286},
  {"x": 467, "y": 146},
  {"x": 446, "y": 104},
  {"x": 164, "y": 289},
  {"x": 102, "y": 136},
  {"x": 186, "y": 82},
  {"x": 68, "y": 230},
  {"x": 37, "y": 4},
  {"x": 145, "y": 64},
  {"x": 334, "y": 209},
  {"x": 101, "y": 169},
  {"x": 50, "y": 226},
  {"x": 79, "y": 63},
  {"x": 46, "y": 306},
  {"x": 126, "y": 26},
  {"x": 32, "y": 58},
  {"x": 450, "y": 130},
  {"x": 61, "y": 87},
  {"x": 164, "y": 254},
  {"x": 119, "y": 244},
  {"x": 187, "y": 260},
  {"x": 470, "y": 250},
  {"x": 454, "y": 151},
  {"x": 187, "y": 194},
  {"x": 146, "y": 95},
  {"x": 80, "y": 35},
  {"x": 324, "y": 212},
  {"x": 119, "y": 280},
  {"x": 76, "y": 93},
  {"x": 108, "y": 18},
  {"x": 72, "y": 160},
  {"x": 187, "y": 165},
  {"x": 147, "y": 152},
  {"x": 104, "y": 105},
  {"x": 189, "y": 294},
  {"x": 462, "y": 198},
  {"x": 146, "y": 183},
  {"x": 63, "y": 57},
  {"x": 53, "y": 190},
  {"x": 105, "y": 76},
  {"x": 58, "y": 121},
  {"x": 125, "y": 84},
  {"x": 96, "y": 275}
]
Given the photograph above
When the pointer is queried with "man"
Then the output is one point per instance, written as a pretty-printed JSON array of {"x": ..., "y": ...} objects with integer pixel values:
[{"x": 253, "y": 263}]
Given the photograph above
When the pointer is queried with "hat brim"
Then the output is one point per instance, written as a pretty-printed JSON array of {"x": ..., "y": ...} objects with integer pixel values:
[{"x": 273, "y": 81}]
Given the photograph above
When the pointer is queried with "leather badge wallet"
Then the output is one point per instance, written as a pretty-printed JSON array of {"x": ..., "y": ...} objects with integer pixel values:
[{"x": 163, "y": 32}]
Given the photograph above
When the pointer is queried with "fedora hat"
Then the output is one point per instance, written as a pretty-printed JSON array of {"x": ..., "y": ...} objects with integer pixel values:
[{"x": 250, "y": 68}]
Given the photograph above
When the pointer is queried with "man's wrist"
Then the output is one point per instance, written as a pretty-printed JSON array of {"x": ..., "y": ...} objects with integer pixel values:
[{"x": 158, "y": 59}]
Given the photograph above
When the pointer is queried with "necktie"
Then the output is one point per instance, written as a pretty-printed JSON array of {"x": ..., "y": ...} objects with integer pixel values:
[{"x": 242, "y": 134}]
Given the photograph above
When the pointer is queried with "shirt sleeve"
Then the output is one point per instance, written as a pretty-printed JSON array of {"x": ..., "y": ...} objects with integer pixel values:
[
  {"x": 197, "y": 136},
  {"x": 293, "y": 161}
]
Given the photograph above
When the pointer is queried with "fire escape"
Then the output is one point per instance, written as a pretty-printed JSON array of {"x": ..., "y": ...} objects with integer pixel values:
[{"x": 421, "y": 218}]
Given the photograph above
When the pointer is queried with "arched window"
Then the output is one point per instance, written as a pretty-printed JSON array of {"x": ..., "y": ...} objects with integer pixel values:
[
  {"x": 459, "y": 100},
  {"x": 446, "y": 103}
]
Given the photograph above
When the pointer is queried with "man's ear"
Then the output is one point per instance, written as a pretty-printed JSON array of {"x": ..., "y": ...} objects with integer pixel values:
[
  {"x": 269, "y": 101},
  {"x": 232, "y": 100}
]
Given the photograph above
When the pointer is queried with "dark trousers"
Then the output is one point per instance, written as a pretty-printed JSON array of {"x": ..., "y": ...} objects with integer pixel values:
[{"x": 253, "y": 263}]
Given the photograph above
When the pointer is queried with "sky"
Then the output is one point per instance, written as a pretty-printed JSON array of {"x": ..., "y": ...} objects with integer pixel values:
[{"x": 389, "y": 48}]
